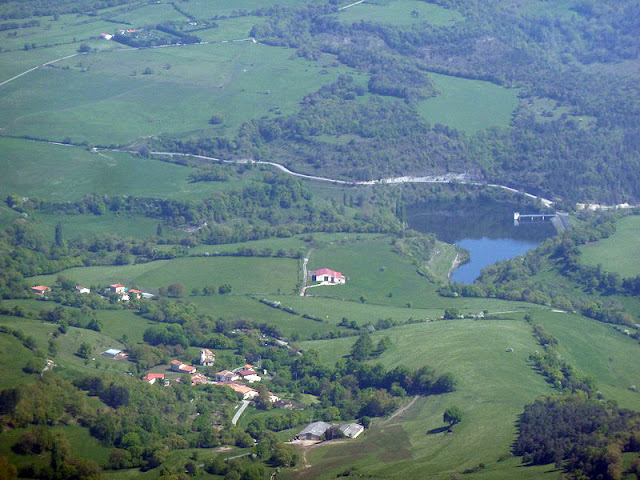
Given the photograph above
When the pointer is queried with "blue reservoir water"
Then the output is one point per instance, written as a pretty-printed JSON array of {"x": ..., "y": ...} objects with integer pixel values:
[
  {"x": 487, "y": 251},
  {"x": 484, "y": 228}
]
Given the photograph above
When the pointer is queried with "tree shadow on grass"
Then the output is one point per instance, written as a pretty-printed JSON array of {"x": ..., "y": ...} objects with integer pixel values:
[{"x": 438, "y": 430}]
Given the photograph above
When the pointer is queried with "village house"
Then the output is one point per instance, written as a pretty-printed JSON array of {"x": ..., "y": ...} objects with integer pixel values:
[
  {"x": 249, "y": 376},
  {"x": 135, "y": 293},
  {"x": 273, "y": 398},
  {"x": 226, "y": 376},
  {"x": 152, "y": 377},
  {"x": 207, "y": 357},
  {"x": 248, "y": 393},
  {"x": 178, "y": 366},
  {"x": 199, "y": 379},
  {"x": 326, "y": 275},
  {"x": 80, "y": 289},
  {"x": 117, "y": 289},
  {"x": 40, "y": 289}
]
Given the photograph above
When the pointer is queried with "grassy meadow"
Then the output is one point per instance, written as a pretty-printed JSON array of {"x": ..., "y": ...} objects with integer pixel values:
[
  {"x": 65, "y": 173},
  {"x": 469, "y": 105},
  {"x": 107, "y": 98},
  {"x": 493, "y": 387},
  {"x": 245, "y": 274},
  {"x": 400, "y": 12},
  {"x": 619, "y": 253}
]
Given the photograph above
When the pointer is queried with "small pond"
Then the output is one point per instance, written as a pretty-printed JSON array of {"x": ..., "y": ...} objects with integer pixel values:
[{"x": 484, "y": 228}]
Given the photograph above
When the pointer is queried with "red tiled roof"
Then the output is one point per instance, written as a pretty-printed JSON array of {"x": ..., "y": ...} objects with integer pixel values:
[
  {"x": 187, "y": 368},
  {"x": 151, "y": 376},
  {"x": 176, "y": 362},
  {"x": 134, "y": 291},
  {"x": 326, "y": 271},
  {"x": 116, "y": 285},
  {"x": 244, "y": 373},
  {"x": 40, "y": 288}
]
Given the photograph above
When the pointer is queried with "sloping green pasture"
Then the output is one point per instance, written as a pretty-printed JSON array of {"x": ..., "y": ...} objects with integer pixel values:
[
  {"x": 400, "y": 12},
  {"x": 597, "y": 349},
  {"x": 493, "y": 387},
  {"x": 469, "y": 105},
  {"x": 619, "y": 253},
  {"x": 106, "y": 98},
  {"x": 60, "y": 173},
  {"x": 245, "y": 275}
]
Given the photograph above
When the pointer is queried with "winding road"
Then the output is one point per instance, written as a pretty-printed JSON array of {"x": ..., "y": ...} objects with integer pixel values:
[{"x": 461, "y": 178}]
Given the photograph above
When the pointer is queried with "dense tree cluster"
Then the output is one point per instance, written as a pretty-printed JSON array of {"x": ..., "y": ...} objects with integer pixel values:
[{"x": 587, "y": 438}]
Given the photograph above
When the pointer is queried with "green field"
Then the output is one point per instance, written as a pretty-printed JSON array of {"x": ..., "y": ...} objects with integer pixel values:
[
  {"x": 87, "y": 226},
  {"x": 244, "y": 307},
  {"x": 383, "y": 277},
  {"x": 82, "y": 444},
  {"x": 619, "y": 253},
  {"x": 209, "y": 8},
  {"x": 400, "y": 12},
  {"x": 60, "y": 173},
  {"x": 493, "y": 387},
  {"x": 105, "y": 98},
  {"x": 469, "y": 105},
  {"x": 600, "y": 351},
  {"x": 246, "y": 275}
]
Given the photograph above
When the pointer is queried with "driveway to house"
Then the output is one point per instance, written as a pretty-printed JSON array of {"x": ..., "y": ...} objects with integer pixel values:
[{"x": 240, "y": 411}]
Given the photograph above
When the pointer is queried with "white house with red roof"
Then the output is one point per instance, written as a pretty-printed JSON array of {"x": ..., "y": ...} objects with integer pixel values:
[
  {"x": 178, "y": 366},
  {"x": 248, "y": 393},
  {"x": 152, "y": 377},
  {"x": 249, "y": 375},
  {"x": 326, "y": 275},
  {"x": 81, "y": 289},
  {"x": 135, "y": 293}
]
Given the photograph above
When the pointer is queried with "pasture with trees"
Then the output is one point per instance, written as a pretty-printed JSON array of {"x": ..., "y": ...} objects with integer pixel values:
[{"x": 148, "y": 247}]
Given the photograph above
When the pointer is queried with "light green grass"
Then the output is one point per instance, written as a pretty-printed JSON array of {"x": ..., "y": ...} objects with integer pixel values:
[
  {"x": 229, "y": 29},
  {"x": 68, "y": 345},
  {"x": 374, "y": 271},
  {"x": 596, "y": 349},
  {"x": 99, "y": 99},
  {"x": 619, "y": 253},
  {"x": 13, "y": 357},
  {"x": 90, "y": 225},
  {"x": 61, "y": 173},
  {"x": 399, "y": 12},
  {"x": 303, "y": 242},
  {"x": 151, "y": 14},
  {"x": 469, "y": 105},
  {"x": 82, "y": 444},
  {"x": 239, "y": 306},
  {"x": 493, "y": 387},
  {"x": 210, "y": 8},
  {"x": 65, "y": 31},
  {"x": 245, "y": 275}
]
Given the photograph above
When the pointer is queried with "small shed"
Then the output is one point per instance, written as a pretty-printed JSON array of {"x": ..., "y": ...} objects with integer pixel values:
[{"x": 351, "y": 430}]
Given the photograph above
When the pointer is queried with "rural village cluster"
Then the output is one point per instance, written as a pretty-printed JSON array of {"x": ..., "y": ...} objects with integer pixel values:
[{"x": 236, "y": 379}]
